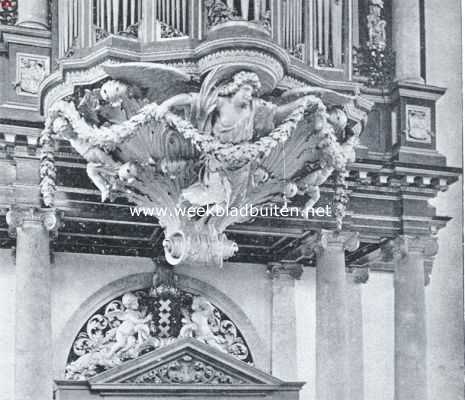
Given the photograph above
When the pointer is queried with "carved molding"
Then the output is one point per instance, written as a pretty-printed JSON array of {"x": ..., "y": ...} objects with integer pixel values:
[{"x": 270, "y": 69}]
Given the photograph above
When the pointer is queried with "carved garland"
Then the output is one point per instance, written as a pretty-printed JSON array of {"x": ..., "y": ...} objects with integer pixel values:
[
  {"x": 233, "y": 155},
  {"x": 47, "y": 171},
  {"x": 333, "y": 154}
]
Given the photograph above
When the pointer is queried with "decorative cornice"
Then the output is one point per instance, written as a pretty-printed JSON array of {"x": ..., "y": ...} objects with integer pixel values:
[{"x": 26, "y": 40}]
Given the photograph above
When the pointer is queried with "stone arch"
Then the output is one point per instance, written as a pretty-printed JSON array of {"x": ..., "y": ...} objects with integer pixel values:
[{"x": 144, "y": 280}]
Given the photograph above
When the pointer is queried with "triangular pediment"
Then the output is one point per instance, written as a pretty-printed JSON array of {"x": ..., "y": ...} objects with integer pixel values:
[{"x": 185, "y": 362}]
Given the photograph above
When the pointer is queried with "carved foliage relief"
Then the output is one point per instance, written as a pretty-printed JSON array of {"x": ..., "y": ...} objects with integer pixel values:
[{"x": 145, "y": 320}]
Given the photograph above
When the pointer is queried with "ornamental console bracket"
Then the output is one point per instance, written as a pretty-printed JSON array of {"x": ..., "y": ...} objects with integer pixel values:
[{"x": 164, "y": 138}]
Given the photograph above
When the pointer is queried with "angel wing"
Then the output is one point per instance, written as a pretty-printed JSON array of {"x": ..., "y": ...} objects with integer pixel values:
[
  {"x": 328, "y": 97},
  {"x": 162, "y": 81}
]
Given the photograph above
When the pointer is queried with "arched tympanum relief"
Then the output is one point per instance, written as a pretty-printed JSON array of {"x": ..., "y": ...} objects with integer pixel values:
[{"x": 141, "y": 321}]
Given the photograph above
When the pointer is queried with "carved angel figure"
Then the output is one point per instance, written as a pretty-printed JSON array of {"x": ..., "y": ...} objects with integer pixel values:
[{"x": 234, "y": 114}]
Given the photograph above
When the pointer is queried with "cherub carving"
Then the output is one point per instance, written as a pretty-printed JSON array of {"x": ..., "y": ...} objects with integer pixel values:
[
  {"x": 198, "y": 324},
  {"x": 333, "y": 155},
  {"x": 101, "y": 166},
  {"x": 134, "y": 329}
]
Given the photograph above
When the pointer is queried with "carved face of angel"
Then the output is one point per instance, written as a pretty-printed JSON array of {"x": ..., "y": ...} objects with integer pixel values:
[
  {"x": 338, "y": 119},
  {"x": 62, "y": 128},
  {"x": 130, "y": 301},
  {"x": 243, "y": 96},
  {"x": 128, "y": 172}
]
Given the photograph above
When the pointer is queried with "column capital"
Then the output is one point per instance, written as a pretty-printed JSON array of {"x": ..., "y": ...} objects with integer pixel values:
[
  {"x": 284, "y": 270},
  {"x": 327, "y": 239},
  {"x": 19, "y": 217},
  {"x": 403, "y": 245}
]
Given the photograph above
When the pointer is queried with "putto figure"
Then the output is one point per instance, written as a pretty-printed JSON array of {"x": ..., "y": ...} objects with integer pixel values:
[{"x": 134, "y": 329}]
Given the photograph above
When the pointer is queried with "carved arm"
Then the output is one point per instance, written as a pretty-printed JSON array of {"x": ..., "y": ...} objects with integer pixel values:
[
  {"x": 284, "y": 110},
  {"x": 180, "y": 100}
]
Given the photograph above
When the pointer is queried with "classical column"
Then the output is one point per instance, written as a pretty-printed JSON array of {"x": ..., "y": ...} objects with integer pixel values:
[
  {"x": 355, "y": 279},
  {"x": 406, "y": 39},
  {"x": 283, "y": 320},
  {"x": 33, "y": 14},
  {"x": 33, "y": 330},
  {"x": 410, "y": 320},
  {"x": 332, "y": 373}
]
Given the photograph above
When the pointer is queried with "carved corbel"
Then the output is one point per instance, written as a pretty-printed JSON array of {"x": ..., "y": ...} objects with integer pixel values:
[
  {"x": 359, "y": 275},
  {"x": 284, "y": 269}
]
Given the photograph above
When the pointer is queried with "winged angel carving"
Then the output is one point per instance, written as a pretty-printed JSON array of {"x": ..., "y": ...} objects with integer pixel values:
[{"x": 150, "y": 135}]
